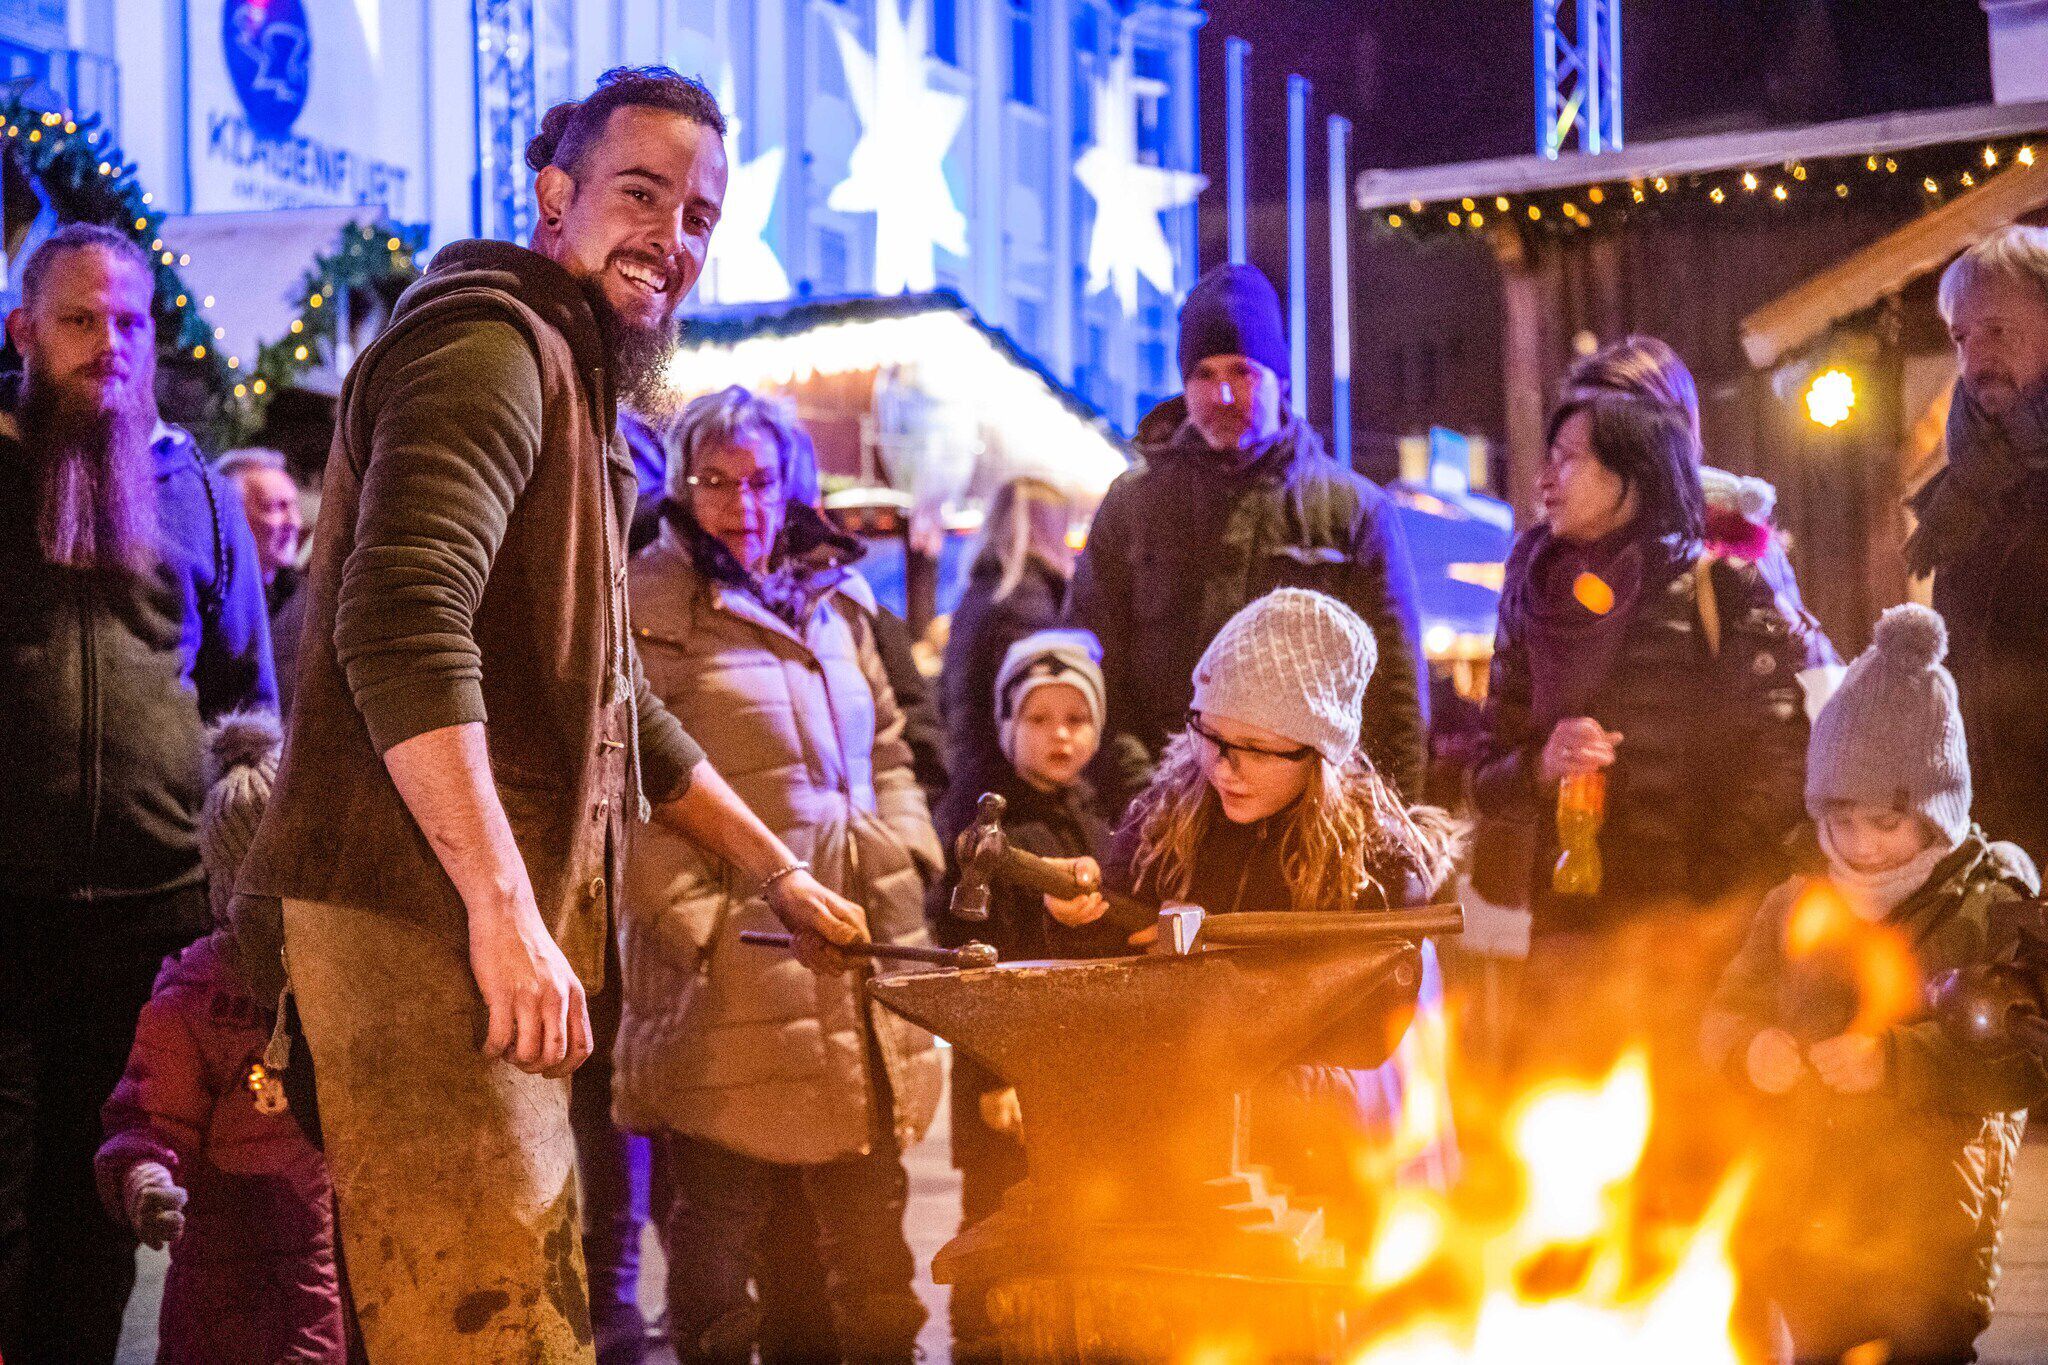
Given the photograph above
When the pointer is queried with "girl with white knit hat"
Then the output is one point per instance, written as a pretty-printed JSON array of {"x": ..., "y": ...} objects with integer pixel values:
[
  {"x": 1887, "y": 1145},
  {"x": 1267, "y": 801}
]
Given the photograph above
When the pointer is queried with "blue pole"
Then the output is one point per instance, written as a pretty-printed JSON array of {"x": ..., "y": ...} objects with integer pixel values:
[
  {"x": 1236, "y": 51},
  {"x": 1340, "y": 289},
  {"x": 1297, "y": 239}
]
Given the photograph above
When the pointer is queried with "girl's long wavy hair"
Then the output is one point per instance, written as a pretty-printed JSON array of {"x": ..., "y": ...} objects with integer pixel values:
[{"x": 1348, "y": 823}]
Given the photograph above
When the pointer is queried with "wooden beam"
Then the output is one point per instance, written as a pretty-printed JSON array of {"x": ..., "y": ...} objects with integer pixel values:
[{"x": 1787, "y": 323}]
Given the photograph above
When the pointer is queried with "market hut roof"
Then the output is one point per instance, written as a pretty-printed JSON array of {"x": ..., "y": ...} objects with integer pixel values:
[
  {"x": 1933, "y": 153},
  {"x": 1788, "y": 322},
  {"x": 789, "y": 342}
]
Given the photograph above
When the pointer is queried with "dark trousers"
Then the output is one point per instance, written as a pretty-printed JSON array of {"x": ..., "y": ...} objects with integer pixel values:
[
  {"x": 990, "y": 1163},
  {"x": 721, "y": 1203},
  {"x": 73, "y": 980},
  {"x": 612, "y": 1167}
]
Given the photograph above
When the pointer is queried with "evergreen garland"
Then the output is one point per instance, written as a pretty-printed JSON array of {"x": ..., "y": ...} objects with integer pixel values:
[{"x": 87, "y": 180}]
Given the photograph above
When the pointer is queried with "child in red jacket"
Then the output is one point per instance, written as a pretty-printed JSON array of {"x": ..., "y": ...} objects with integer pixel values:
[{"x": 201, "y": 1154}]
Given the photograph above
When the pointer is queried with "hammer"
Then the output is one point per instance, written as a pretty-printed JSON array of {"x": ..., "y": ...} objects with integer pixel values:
[
  {"x": 986, "y": 857},
  {"x": 966, "y": 956}
]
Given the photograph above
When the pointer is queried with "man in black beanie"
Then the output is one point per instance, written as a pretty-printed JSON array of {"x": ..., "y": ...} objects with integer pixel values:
[{"x": 1233, "y": 496}]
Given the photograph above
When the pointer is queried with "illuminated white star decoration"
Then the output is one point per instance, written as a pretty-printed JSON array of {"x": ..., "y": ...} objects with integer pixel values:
[
  {"x": 742, "y": 267},
  {"x": 897, "y": 170},
  {"x": 1128, "y": 241}
]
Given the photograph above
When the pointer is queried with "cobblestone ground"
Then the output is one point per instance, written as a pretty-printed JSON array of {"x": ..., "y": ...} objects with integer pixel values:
[{"x": 2018, "y": 1335}]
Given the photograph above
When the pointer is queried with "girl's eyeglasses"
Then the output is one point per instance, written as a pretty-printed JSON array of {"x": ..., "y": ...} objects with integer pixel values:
[{"x": 1246, "y": 757}]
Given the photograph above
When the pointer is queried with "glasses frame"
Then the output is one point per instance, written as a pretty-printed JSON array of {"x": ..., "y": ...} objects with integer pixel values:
[
  {"x": 1228, "y": 752},
  {"x": 718, "y": 486}
]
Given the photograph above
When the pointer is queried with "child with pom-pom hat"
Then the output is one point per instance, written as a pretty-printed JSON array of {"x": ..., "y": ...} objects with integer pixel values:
[
  {"x": 1886, "y": 1146},
  {"x": 202, "y": 1154}
]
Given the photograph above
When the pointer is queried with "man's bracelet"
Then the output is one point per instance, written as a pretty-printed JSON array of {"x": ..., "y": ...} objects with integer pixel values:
[{"x": 786, "y": 870}]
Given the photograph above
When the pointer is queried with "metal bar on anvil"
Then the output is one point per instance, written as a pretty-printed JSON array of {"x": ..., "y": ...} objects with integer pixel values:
[{"x": 1279, "y": 928}]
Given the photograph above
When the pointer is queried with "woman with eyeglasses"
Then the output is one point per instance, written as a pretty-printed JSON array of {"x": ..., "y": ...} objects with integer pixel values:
[
  {"x": 1266, "y": 801},
  {"x": 1632, "y": 665},
  {"x": 764, "y": 1082}
]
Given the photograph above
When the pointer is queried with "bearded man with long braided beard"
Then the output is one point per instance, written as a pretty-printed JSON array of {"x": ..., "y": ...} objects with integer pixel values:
[{"x": 132, "y": 615}]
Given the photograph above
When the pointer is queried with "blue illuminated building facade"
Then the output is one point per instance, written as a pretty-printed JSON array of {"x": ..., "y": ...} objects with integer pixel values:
[{"x": 424, "y": 106}]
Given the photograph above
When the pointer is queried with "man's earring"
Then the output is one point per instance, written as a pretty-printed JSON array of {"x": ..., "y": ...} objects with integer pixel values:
[{"x": 553, "y": 221}]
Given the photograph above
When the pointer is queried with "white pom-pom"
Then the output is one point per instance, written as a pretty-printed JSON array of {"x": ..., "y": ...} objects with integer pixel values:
[
  {"x": 1755, "y": 499},
  {"x": 1912, "y": 635},
  {"x": 242, "y": 739}
]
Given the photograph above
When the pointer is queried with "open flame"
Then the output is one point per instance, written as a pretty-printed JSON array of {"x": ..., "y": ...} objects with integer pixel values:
[
  {"x": 1564, "y": 1274},
  {"x": 1877, "y": 957}
]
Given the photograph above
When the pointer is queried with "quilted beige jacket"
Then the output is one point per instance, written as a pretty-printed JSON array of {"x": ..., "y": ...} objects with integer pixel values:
[{"x": 736, "y": 1044}]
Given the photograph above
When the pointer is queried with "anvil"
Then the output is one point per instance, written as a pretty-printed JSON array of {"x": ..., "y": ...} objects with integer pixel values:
[{"x": 1132, "y": 1074}]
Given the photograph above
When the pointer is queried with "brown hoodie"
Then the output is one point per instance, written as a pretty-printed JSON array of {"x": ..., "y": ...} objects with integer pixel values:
[{"x": 469, "y": 566}]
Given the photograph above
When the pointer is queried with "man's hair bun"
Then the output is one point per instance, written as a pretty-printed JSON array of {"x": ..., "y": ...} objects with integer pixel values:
[
  {"x": 569, "y": 128},
  {"x": 540, "y": 148}
]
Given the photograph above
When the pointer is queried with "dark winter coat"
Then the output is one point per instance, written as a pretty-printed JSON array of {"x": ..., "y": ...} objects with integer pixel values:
[
  {"x": 923, "y": 731},
  {"x": 469, "y": 566},
  {"x": 110, "y": 680},
  {"x": 1187, "y": 536},
  {"x": 984, "y": 627},
  {"x": 1709, "y": 777},
  {"x": 1886, "y": 1207},
  {"x": 1987, "y": 587},
  {"x": 252, "y": 1279},
  {"x": 1060, "y": 824}
]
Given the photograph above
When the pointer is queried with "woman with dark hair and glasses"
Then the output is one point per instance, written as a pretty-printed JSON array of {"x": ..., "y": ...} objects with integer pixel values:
[{"x": 1629, "y": 659}]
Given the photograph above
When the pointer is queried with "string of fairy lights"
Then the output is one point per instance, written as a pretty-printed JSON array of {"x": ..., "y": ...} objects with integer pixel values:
[
  {"x": 1922, "y": 177},
  {"x": 85, "y": 179}
]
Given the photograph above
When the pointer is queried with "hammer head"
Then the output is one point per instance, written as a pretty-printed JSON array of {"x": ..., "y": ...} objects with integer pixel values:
[
  {"x": 971, "y": 955},
  {"x": 980, "y": 851}
]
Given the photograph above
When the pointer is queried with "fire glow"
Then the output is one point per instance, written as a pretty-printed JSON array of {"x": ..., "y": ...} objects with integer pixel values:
[{"x": 1562, "y": 1279}]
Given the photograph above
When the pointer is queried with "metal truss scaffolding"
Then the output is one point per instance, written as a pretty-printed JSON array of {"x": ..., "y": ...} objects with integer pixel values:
[{"x": 1578, "y": 74}]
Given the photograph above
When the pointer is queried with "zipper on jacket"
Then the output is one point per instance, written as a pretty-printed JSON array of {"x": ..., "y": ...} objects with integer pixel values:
[{"x": 88, "y": 728}]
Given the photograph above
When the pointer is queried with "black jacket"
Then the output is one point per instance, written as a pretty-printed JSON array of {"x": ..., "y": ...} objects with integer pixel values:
[
  {"x": 922, "y": 730},
  {"x": 984, "y": 627},
  {"x": 110, "y": 680},
  {"x": 1989, "y": 591},
  {"x": 1709, "y": 778},
  {"x": 1053, "y": 825},
  {"x": 1184, "y": 539}
]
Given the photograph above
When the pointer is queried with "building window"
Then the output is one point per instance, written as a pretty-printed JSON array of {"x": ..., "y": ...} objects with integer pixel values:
[
  {"x": 1023, "y": 53},
  {"x": 831, "y": 261},
  {"x": 1153, "y": 355},
  {"x": 946, "y": 31},
  {"x": 1154, "y": 81},
  {"x": 1088, "y": 29},
  {"x": 1029, "y": 328}
]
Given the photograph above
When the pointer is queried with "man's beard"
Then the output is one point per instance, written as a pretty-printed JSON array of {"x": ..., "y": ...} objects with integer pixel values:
[
  {"x": 639, "y": 359},
  {"x": 95, "y": 475}
]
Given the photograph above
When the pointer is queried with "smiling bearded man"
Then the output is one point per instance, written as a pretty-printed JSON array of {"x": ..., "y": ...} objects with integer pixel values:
[{"x": 472, "y": 731}]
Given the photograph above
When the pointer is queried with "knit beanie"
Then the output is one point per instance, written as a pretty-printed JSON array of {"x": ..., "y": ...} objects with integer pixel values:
[
  {"x": 1233, "y": 310},
  {"x": 1294, "y": 662},
  {"x": 241, "y": 764},
  {"x": 1073, "y": 657},
  {"x": 1891, "y": 734}
]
